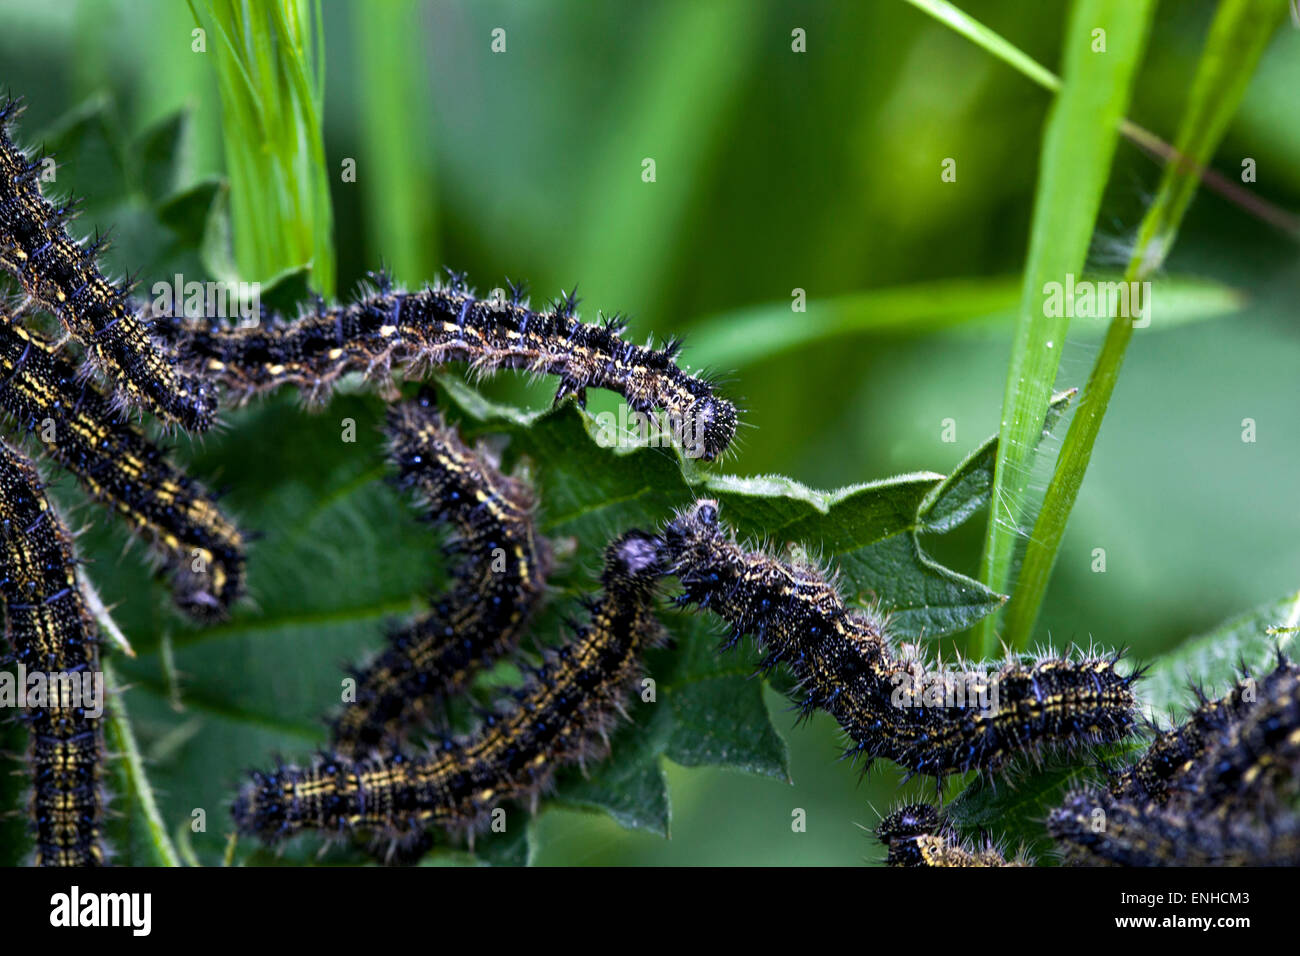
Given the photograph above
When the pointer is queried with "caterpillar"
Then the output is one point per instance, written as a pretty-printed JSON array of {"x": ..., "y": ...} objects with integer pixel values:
[
  {"x": 918, "y": 835},
  {"x": 845, "y": 666},
  {"x": 1255, "y": 759},
  {"x": 1094, "y": 828},
  {"x": 202, "y": 550},
  {"x": 52, "y": 633},
  {"x": 1214, "y": 791},
  {"x": 561, "y": 715},
  {"x": 496, "y": 590},
  {"x": 62, "y": 275},
  {"x": 437, "y": 325},
  {"x": 1174, "y": 756}
]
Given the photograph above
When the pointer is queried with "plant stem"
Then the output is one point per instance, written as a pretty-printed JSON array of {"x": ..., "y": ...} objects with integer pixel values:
[
  {"x": 1078, "y": 145},
  {"x": 1237, "y": 38}
]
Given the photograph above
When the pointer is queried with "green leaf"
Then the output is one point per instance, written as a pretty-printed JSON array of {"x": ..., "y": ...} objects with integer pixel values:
[
  {"x": 1214, "y": 659},
  {"x": 216, "y": 248},
  {"x": 515, "y": 847},
  {"x": 1012, "y": 809},
  {"x": 161, "y": 157},
  {"x": 706, "y": 734},
  {"x": 1078, "y": 145},
  {"x": 88, "y": 136},
  {"x": 631, "y": 785},
  {"x": 1237, "y": 39},
  {"x": 969, "y": 486},
  {"x": 283, "y": 293},
  {"x": 719, "y": 716},
  {"x": 187, "y": 211}
]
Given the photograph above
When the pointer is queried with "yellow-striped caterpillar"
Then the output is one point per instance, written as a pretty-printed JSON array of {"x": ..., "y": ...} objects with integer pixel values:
[
  {"x": 1093, "y": 828},
  {"x": 62, "y": 275},
  {"x": 1218, "y": 790},
  {"x": 199, "y": 546},
  {"x": 919, "y": 835},
  {"x": 845, "y": 666},
  {"x": 496, "y": 589},
  {"x": 561, "y": 715},
  {"x": 53, "y": 635},
  {"x": 442, "y": 324},
  {"x": 1175, "y": 755}
]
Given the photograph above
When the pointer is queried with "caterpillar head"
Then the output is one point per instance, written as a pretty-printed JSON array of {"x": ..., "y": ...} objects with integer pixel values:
[
  {"x": 709, "y": 427},
  {"x": 633, "y": 561},
  {"x": 691, "y": 534},
  {"x": 913, "y": 820}
]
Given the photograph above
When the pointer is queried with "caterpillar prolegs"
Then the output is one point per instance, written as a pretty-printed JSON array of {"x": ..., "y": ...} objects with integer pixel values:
[
  {"x": 845, "y": 666},
  {"x": 496, "y": 590},
  {"x": 53, "y": 635},
  {"x": 434, "y": 326},
  {"x": 559, "y": 716}
]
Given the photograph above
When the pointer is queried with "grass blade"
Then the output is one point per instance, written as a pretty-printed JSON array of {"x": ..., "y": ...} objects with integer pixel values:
[
  {"x": 1079, "y": 143},
  {"x": 271, "y": 114},
  {"x": 994, "y": 43},
  {"x": 1240, "y": 31},
  {"x": 970, "y": 28},
  {"x": 760, "y": 332}
]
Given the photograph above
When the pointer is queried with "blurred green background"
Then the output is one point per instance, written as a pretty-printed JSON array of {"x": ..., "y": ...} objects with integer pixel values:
[{"x": 778, "y": 170}]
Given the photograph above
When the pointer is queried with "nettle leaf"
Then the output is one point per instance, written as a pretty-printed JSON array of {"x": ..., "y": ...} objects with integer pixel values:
[
  {"x": 1214, "y": 659},
  {"x": 161, "y": 156}
]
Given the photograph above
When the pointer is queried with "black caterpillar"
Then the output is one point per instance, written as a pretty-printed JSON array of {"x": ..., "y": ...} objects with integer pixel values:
[
  {"x": 63, "y": 277},
  {"x": 1095, "y": 829},
  {"x": 52, "y": 633},
  {"x": 438, "y": 325},
  {"x": 117, "y": 466},
  {"x": 561, "y": 715},
  {"x": 846, "y": 667},
  {"x": 919, "y": 835},
  {"x": 496, "y": 589},
  {"x": 1215, "y": 791}
]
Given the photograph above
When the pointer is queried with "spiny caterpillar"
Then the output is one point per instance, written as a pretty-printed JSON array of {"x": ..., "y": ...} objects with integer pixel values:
[
  {"x": 438, "y": 325},
  {"x": 52, "y": 633},
  {"x": 1174, "y": 755},
  {"x": 117, "y": 466},
  {"x": 1095, "y": 829},
  {"x": 62, "y": 275},
  {"x": 559, "y": 716},
  {"x": 919, "y": 835},
  {"x": 1216, "y": 790},
  {"x": 496, "y": 590},
  {"x": 845, "y": 666}
]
